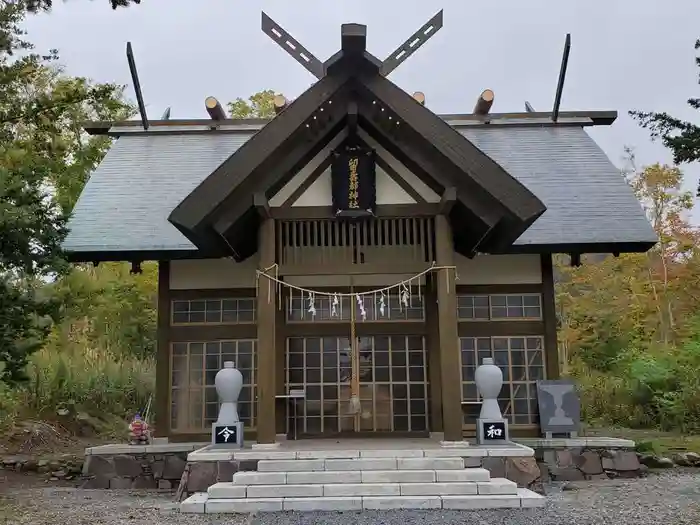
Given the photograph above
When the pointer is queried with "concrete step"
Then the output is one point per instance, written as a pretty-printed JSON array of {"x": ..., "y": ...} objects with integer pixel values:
[
  {"x": 232, "y": 490},
  {"x": 318, "y": 465},
  {"x": 361, "y": 476},
  {"x": 201, "y": 503}
]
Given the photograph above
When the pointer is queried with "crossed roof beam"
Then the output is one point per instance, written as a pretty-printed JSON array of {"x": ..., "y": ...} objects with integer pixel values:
[{"x": 354, "y": 38}]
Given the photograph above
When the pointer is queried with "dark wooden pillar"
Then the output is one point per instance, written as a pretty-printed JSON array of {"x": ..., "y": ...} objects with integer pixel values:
[
  {"x": 267, "y": 342},
  {"x": 549, "y": 317},
  {"x": 450, "y": 368},
  {"x": 433, "y": 348},
  {"x": 280, "y": 370},
  {"x": 162, "y": 405}
]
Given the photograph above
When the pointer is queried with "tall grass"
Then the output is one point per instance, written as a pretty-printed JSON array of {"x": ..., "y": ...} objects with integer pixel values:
[{"x": 80, "y": 381}]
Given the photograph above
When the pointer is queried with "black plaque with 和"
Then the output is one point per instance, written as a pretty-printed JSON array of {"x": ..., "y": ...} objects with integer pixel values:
[
  {"x": 494, "y": 431},
  {"x": 225, "y": 435},
  {"x": 353, "y": 176}
]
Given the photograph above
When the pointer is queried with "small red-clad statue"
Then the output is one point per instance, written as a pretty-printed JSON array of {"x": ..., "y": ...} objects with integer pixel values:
[{"x": 139, "y": 433}]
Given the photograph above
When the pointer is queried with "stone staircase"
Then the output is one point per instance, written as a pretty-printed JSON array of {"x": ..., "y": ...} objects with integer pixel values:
[{"x": 350, "y": 484}]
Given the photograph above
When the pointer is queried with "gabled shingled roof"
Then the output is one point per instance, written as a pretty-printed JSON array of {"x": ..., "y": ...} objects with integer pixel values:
[{"x": 123, "y": 210}]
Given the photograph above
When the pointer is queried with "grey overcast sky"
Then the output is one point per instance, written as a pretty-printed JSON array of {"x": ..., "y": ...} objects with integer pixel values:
[{"x": 626, "y": 54}]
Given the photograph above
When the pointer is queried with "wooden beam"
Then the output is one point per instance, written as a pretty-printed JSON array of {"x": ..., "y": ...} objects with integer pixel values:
[
  {"x": 418, "y": 154},
  {"x": 412, "y": 44},
  {"x": 216, "y": 112},
  {"x": 353, "y": 38},
  {"x": 352, "y": 118},
  {"x": 280, "y": 103},
  {"x": 135, "y": 268},
  {"x": 287, "y": 42},
  {"x": 267, "y": 340},
  {"x": 382, "y": 210},
  {"x": 448, "y": 200},
  {"x": 278, "y": 167},
  {"x": 255, "y": 162},
  {"x": 484, "y": 183},
  {"x": 484, "y": 102},
  {"x": 419, "y": 97},
  {"x": 450, "y": 362},
  {"x": 354, "y": 269},
  {"x": 261, "y": 204},
  {"x": 562, "y": 77},
  {"x": 137, "y": 85}
]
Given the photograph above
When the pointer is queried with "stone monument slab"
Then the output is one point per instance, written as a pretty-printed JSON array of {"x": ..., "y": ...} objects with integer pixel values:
[{"x": 559, "y": 407}]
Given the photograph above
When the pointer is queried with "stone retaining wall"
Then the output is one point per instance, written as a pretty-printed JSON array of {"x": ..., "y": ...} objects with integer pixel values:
[
  {"x": 66, "y": 467},
  {"x": 575, "y": 464},
  {"x": 165, "y": 466},
  {"x": 134, "y": 471}
]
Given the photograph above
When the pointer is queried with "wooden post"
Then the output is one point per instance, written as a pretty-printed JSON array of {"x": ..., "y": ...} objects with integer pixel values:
[
  {"x": 450, "y": 369},
  {"x": 163, "y": 366},
  {"x": 433, "y": 350},
  {"x": 280, "y": 369},
  {"x": 267, "y": 351},
  {"x": 549, "y": 316}
]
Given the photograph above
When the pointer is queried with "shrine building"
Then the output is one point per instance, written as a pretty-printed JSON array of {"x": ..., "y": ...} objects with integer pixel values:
[{"x": 357, "y": 245}]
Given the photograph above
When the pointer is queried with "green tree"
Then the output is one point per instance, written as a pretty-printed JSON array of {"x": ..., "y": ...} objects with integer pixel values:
[
  {"x": 259, "y": 105},
  {"x": 44, "y": 156},
  {"x": 680, "y": 136},
  {"x": 44, "y": 5}
]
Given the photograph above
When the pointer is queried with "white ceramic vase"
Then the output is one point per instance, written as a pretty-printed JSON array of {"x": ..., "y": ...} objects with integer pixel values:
[
  {"x": 489, "y": 381},
  {"x": 228, "y": 383}
]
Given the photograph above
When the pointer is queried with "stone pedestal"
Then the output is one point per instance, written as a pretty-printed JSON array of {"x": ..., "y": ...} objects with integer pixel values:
[
  {"x": 491, "y": 426},
  {"x": 227, "y": 431}
]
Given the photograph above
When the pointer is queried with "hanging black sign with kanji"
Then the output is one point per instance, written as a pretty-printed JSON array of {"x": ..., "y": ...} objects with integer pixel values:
[{"x": 354, "y": 182}]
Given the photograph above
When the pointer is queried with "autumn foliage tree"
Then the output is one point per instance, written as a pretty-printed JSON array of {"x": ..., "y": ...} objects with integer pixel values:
[{"x": 631, "y": 324}]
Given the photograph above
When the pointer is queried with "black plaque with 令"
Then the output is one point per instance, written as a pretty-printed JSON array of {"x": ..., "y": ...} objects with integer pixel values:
[
  {"x": 494, "y": 431},
  {"x": 225, "y": 435},
  {"x": 354, "y": 182}
]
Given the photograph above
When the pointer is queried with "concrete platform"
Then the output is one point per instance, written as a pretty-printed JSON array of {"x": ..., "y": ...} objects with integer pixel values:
[{"x": 360, "y": 448}]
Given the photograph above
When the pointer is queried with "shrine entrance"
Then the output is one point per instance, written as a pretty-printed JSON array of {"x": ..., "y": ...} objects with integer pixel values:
[{"x": 379, "y": 385}]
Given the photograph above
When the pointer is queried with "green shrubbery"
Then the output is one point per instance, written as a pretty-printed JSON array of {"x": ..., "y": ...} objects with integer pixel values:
[{"x": 652, "y": 386}]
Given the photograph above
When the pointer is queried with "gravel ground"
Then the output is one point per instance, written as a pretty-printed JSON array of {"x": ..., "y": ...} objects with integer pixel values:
[{"x": 666, "y": 498}]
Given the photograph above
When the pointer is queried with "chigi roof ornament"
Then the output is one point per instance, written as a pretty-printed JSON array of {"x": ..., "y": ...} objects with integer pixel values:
[{"x": 354, "y": 39}]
